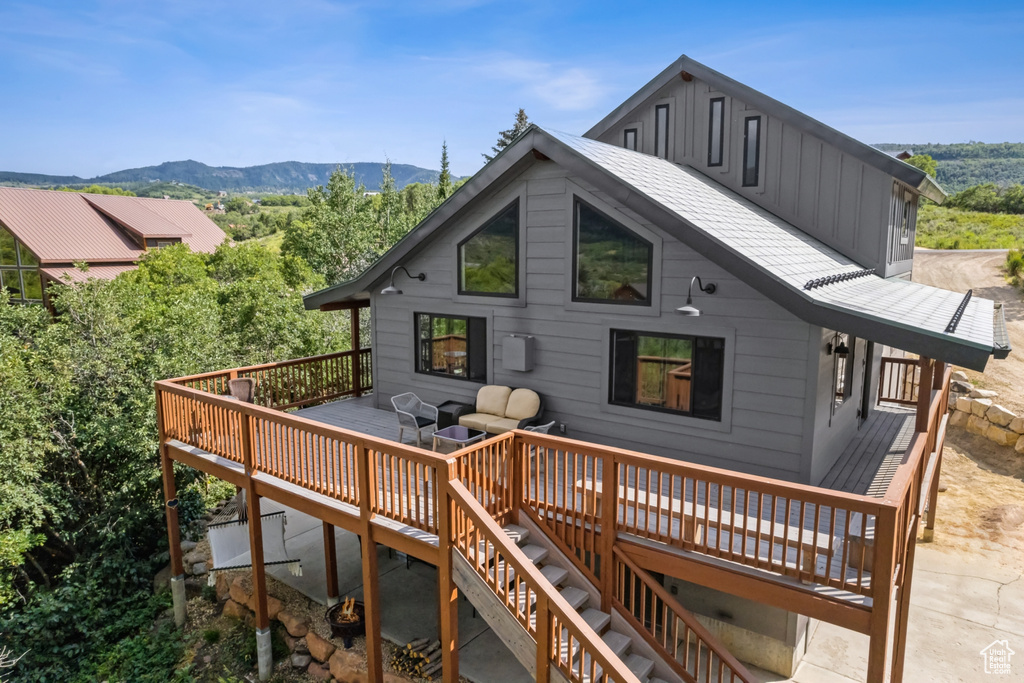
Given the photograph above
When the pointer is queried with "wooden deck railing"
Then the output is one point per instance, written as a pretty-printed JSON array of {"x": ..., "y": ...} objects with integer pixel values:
[
  {"x": 295, "y": 383},
  {"x": 898, "y": 380},
  {"x": 563, "y": 638},
  {"x": 674, "y": 632},
  {"x": 588, "y": 499}
]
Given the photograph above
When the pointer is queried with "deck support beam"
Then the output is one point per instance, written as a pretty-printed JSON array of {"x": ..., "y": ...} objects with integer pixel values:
[
  {"x": 371, "y": 578},
  {"x": 903, "y": 610},
  {"x": 259, "y": 584},
  {"x": 357, "y": 371},
  {"x": 173, "y": 528},
  {"x": 883, "y": 582},
  {"x": 331, "y": 563}
]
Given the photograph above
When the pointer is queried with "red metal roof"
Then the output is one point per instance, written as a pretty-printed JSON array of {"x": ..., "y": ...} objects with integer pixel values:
[
  {"x": 64, "y": 227},
  {"x": 99, "y": 272}
]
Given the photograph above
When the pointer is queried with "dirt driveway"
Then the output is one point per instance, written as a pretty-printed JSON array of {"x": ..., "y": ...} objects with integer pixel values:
[{"x": 982, "y": 272}]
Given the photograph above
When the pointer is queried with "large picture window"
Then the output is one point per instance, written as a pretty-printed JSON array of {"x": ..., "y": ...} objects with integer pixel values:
[
  {"x": 668, "y": 373},
  {"x": 611, "y": 263},
  {"x": 19, "y": 270},
  {"x": 489, "y": 258},
  {"x": 451, "y": 346}
]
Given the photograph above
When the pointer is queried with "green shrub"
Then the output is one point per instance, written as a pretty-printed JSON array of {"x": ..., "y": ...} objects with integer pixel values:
[
  {"x": 940, "y": 227},
  {"x": 1015, "y": 263},
  {"x": 211, "y": 636}
]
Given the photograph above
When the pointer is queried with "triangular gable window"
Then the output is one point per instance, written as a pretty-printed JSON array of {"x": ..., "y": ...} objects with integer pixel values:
[
  {"x": 489, "y": 258},
  {"x": 611, "y": 263}
]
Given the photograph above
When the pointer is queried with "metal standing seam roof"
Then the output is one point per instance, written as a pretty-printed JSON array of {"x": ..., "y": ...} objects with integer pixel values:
[
  {"x": 786, "y": 253},
  {"x": 99, "y": 272},
  {"x": 65, "y": 227}
]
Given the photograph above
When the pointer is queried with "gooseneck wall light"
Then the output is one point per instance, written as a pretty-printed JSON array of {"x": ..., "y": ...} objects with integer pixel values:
[
  {"x": 391, "y": 289},
  {"x": 689, "y": 308}
]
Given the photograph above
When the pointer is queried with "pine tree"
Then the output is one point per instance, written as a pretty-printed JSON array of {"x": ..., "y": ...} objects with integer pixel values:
[
  {"x": 444, "y": 181},
  {"x": 506, "y": 137}
]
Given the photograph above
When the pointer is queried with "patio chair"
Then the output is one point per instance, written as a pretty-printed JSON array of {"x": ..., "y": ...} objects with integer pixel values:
[
  {"x": 244, "y": 389},
  {"x": 413, "y": 414},
  {"x": 541, "y": 429}
]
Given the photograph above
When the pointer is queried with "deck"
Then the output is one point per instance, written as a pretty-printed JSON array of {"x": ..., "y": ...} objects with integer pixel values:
[{"x": 871, "y": 459}]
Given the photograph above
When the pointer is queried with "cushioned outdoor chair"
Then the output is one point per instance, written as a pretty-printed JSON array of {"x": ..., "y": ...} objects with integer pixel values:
[
  {"x": 243, "y": 388},
  {"x": 541, "y": 429},
  {"x": 413, "y": 414}
]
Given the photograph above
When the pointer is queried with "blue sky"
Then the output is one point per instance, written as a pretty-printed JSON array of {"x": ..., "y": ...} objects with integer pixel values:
[{"x": 93, "y": 86}]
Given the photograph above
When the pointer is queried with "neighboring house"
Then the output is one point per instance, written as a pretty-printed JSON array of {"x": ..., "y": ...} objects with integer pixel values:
[
  {"x": 590, "y": 244},
  {"x": 44, "y": 233}
]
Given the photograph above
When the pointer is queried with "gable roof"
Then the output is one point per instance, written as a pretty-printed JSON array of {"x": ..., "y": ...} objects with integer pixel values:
[
  {"x": 64, "y": 227},
  {"x": 886, "y": 163},
  {"x": 759, "y": 248}
]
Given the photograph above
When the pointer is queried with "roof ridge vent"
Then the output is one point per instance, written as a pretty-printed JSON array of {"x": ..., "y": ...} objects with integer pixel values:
[{"x": 838, "y": 277}]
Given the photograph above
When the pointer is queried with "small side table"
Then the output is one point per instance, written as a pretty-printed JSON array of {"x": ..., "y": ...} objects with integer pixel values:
[
  {"x": 449, "y": 412},
  {"x": 456, "y": 437}
]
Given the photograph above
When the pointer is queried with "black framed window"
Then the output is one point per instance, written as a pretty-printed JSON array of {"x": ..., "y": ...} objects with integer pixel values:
[
  {"x": 19, "y": 270},
  {"x": 629, "y": 138},
  {"x": 489, "y": 258},
  {"x": 668, "y": 373},
  {"x": 611, "y": 263},
  {"x": 751, "y": 150},
  {"x": 451, "y": 346},
  {"x": 716, "y": 131},
  {"x": 661, "y": 131}
]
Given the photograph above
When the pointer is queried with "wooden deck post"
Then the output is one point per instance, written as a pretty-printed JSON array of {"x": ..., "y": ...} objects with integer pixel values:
[
  {"x": 357, "y": 371},
  {"x": 171, "y": 512},
  {"x": 331, "y": 563},
  {"x": 881, "y": 593},
  {"x": 543, "y": 673},
  {"x": 933, "y": 488},
  {"x": 371, "y": 573},
  {"x": 448, "y": 592},
  {"x": 903, "y": 609},
  {"x": 924, "y": 393},
  {"x": 259, "y": 584},
  {"x": 609, "y": 522}
]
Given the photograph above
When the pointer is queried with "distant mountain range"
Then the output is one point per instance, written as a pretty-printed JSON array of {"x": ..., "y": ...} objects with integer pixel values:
[
  {"x": 282, "y": 177},
  {"x": 964, "y": 164}
]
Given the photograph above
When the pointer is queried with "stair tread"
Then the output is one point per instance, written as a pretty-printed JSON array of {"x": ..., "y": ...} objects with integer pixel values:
[
  {"x": 640, "y": 666},
  {"x": 575, "y": 597},
  {"x": 554, "y": 574},
  {"x": 618, "y": 642},
  {"x": 516, "y": 533},
  {"x": 596, "y": 619},
  {"x": 535, "y": 553}
]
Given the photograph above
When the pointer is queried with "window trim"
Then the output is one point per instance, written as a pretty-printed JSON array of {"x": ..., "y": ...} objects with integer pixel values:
[
  {"x": 658, "y": 141},
  {"x": 636, "y": 139},
  {"x": 574, "y": 279},
  {"x": 416, "y": 346},
  {"x": 721, "y": 132},
  {"x": 458, "y": 253},
  {"x": 757, "y": 151}
]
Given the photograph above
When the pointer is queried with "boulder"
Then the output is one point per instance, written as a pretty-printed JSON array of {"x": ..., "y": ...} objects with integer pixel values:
[
  {"x": 300, "y": 661},
  {"x": 320, "y": 648},
  {"x": 951, "y": 401},
  {"x": 959, "y": 418},
  {"x": 296, "y": 626},
  {"x": 199, "y": 569},
  {"x": 273, "y": 605},
  {"x": 347, "y": 666},
  {"x": 963, "y": 403},
  {"x": 977, "y": 425},
  {"x": 222, "y": 586},
  {"x": 241, "y": 590},
  {"x": 999, "y": 415},
  {"x": 983, "y": 393},
  {"x": 235, "y": 610},
  {"x": 959, "y": 375},
  {"x": 319, "y": 672},
  {"x": 1003, "y": 437},
  {"x": 956, "y": 387},
  {"x": 980, "y": 406},
  {"x": 1018, "y": 425},
  {"x": 188, "y": 546},
  {"x": 162, "y": 580},
  {"x": 1020, "y": 445}
]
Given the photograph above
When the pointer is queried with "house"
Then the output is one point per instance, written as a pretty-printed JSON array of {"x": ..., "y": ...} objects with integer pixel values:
[
  {"x": 44, "y": 233},
  {"x": 713, "y": 284}
]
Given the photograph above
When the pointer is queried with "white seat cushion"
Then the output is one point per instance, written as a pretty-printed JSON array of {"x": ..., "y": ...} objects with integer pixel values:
[
  {"x": 477, "y": 420},
  {"x": 501, "y": 425},
  {"x": 492, "y": 399},
  {"x": 522, "y": 403}
]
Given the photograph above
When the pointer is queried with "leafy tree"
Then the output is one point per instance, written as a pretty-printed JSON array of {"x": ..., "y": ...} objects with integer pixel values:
[
  {"x": 240, "y": 205},
  {"x": 444, "y": 180},
  {"x": 506, "y": 137},
  {"x": 925, "y": 163},
  {"x": 99, "y": 189},
  {"x": 391, "y": 217}
]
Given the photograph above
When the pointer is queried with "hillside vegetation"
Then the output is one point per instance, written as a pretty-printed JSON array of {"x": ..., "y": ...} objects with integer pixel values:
[
  {"x": 964, "y": 164},
  {"x": 941, "y": 227}
]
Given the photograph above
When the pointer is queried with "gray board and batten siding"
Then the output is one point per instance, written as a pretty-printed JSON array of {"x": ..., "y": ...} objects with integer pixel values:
[
  {"x": 827, "y": 190},
  {"x": 769, "y": 351}
]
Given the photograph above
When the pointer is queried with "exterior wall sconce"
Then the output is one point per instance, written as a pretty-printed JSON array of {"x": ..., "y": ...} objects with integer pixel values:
[
  {"x": 689, "y": 309},
  {"x": 391, "y": 289},
  {"x": 839, "y": 347}
]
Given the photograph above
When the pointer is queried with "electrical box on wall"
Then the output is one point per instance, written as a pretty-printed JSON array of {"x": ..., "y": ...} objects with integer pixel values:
[{"x": 517, "y": 352}]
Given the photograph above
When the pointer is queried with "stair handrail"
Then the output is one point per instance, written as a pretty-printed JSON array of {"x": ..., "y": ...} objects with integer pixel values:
[
  {"x": 725, "y": 658},
  {"x": 613, "y": 669}
]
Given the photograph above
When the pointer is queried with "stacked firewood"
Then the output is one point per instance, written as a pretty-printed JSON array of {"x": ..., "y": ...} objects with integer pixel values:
[{"x": 420, "y": 658}]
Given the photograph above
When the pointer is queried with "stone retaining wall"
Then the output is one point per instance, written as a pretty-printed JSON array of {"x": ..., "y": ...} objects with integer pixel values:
[{"x": 976, "y": 411}]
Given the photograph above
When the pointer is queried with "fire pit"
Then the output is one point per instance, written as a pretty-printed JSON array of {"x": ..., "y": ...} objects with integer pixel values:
[{"x": 346, "y": 620}]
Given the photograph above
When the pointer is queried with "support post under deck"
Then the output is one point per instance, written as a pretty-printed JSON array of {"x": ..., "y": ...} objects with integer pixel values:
[
  {"x": 331, "y": 563},
  {"x": 173, "y": 529}
]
